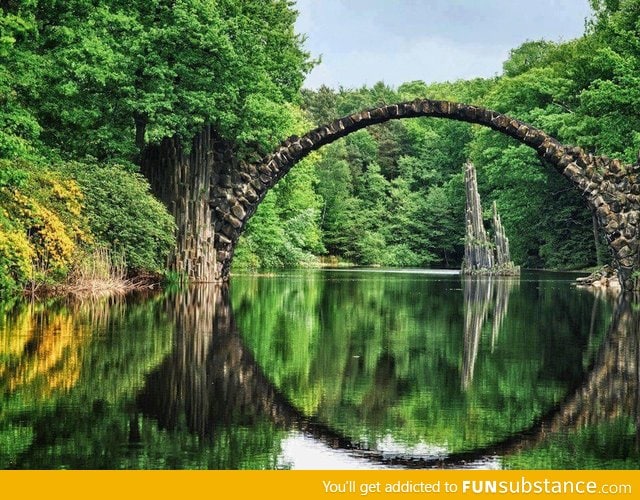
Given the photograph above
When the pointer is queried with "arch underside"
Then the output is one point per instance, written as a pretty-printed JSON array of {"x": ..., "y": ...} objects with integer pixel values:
[{"x": 610, "y": 189}]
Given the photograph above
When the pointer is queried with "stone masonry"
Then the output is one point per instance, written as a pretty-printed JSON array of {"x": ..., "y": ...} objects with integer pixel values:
[{"x": 610, "y": 189}]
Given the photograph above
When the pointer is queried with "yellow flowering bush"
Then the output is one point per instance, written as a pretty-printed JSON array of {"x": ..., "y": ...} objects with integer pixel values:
[
  {"x": 15, "y": 258},
  {"x": 41, "y": 226},
  {"x": 51, "y": 218}
]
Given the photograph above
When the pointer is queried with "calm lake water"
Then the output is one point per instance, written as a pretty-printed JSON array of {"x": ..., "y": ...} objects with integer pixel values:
[{"x": 325, "y": 369}]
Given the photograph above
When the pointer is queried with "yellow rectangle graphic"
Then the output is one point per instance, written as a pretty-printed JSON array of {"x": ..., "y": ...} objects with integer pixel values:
[{"x": 327, "y": 485}]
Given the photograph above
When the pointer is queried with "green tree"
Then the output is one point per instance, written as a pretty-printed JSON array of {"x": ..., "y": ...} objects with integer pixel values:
[{"x": 161, "y": 68}]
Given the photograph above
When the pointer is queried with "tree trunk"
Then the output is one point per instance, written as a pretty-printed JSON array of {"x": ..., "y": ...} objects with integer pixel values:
[
  {"x": 140, "y": 121},
  {"x": 182, "y": 181}
]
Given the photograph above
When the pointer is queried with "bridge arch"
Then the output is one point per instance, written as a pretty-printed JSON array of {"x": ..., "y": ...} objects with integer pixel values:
[{"x": 610, "y": 189}]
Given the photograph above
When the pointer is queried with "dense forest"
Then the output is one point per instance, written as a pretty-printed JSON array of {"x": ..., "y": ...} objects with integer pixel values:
[{"x": 85, "y": 86}]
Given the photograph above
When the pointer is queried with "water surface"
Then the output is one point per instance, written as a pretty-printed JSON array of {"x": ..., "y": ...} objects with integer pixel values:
[{"x": 325, "y": 369}]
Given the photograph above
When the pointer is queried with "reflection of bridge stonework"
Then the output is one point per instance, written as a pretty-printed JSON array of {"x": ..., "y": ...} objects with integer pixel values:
[
  {"x": 612, "y": 388},
  {"x": 213, "y": 187},
  {"x": 211, "y": 379}
]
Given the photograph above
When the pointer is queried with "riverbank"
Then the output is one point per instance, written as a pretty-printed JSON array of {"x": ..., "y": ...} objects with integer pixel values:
[{"x": 96, "y": 288}]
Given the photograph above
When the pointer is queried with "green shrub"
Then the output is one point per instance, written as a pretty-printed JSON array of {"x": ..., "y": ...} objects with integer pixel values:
[{"x": 124, "y": 216}]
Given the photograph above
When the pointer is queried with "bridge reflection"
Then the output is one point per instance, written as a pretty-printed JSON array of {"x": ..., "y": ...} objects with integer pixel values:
[{"x": 212, "y": 379}]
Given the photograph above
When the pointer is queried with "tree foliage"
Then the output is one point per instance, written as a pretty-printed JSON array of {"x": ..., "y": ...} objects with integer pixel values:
[
  {"x": 391, "y": 194},
  {"x": 86, "y": 84},
  {"x": 95, "y": 81}
]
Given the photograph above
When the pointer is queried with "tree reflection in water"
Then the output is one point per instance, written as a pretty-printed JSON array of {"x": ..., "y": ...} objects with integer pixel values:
[
  {"x": 379, "y": 370},
  {"x": 212, "y": 380}
]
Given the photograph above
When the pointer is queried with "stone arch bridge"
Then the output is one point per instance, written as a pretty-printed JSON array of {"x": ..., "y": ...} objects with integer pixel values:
[{"x": 212, "y": 194}]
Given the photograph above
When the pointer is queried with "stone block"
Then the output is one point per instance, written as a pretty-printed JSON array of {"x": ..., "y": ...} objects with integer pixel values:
[
  {"x": 257, "y": 184},
  {"x": 487, "y": 115},
  {"x": 534, "y": 137},
  {"x": 377, "y": 114},
  {"x": 470, "y": 112},
  {"x": 233, "y": 221},
  {"x": 286, "y": 157},
  {"x": 615, "y": 166},
  {"x": 603, "y": 213},
  {"x": 221, "y": 238},
  {"x": 513, "y": 126},
  {"x": 522, "y": 131},
  {"x": 611, "y": 226},
  {"x": 404, "y": 109},
  {"x": 500, "y": 121},
  {"x": 633, "y": 200},
  {"x": 227, "y": 230},
  {"x": 319, "y": 134},
  {"x": 264, "y": 169},
  {"x": 624, "y": 252},
  {"x": 238, "y": 211},
  {"x": 618, "y": 244},
  {"x": 581, "y": 161},
  {"x": 573, "y": 172},
  {"x": 250, "y": 194}
]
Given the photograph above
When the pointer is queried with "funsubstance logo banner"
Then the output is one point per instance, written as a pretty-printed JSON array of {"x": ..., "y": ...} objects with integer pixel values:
[{"x": 326, "y": 485}]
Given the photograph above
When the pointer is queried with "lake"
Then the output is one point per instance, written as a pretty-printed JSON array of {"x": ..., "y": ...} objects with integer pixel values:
[{"x": 325, "y": 369}]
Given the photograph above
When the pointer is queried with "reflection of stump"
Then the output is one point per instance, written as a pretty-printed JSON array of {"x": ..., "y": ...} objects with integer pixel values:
[
  {"x": 481, "y": 255},
  {"x": 482, "y": 296},
  {"x": 477, "y": 297}
]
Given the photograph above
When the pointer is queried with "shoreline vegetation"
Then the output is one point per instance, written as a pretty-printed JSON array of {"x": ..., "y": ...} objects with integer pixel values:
[
  {"x": 86, "y": 89},
  {"x": 99, "y": 273}
]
